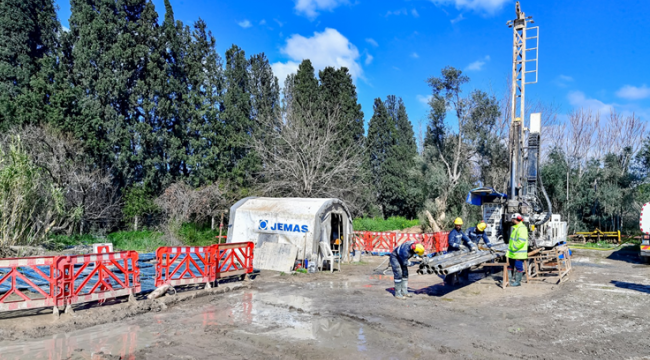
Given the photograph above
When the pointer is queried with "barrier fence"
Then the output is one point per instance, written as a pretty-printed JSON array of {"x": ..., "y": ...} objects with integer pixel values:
[
  {"x": 183, "y": 265},
  {"x": 96, "y": 277},
  {"x": 53, "y": 281},
  {"x": 383, "y": 242}
]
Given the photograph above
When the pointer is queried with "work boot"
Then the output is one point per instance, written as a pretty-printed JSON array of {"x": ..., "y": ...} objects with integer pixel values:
[
  {"x": 518, "y": 275},
  {"x": 510, "y": 279},
  {"x": 405, "y": 288},
  {"x": 398, "y": 291}
]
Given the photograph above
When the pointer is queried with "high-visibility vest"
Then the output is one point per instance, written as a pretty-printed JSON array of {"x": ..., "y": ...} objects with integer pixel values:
[{"x": 518, "y": 245}]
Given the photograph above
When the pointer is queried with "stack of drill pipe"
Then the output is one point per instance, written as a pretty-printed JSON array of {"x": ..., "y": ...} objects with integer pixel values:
[{"x": 457, "y": 261}]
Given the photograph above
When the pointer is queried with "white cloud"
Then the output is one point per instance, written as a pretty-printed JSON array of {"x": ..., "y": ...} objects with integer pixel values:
[
  {"x": 280, "y": 23},
  {"x": 415, "y": 55},
  {"x": 631, "y": 92},
  {"x": 579, "y": 100},
  {"x": 369, "y": 59},
  {"x": 327, "y": 48},
  {"x": 282, "y": 70},
  {"x": 457, "y": 19},
  {"x": 563, "y": 80},
  {"x": 372, "y": 42},
  {"x": 397, "y": 12},
  {"x": 263, "y": 22},
  {"x": 245, "y": 24},
  {"x": 478, "y": 64},
  {"x": 310, "y": 8},
  {"x": 487, "y": 6},
  {"x": 415, "y": 13},
  {"x": 424, "y": 99}
]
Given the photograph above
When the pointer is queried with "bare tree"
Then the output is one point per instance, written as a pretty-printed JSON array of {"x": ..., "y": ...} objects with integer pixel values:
[
  {"x": 181, "y": 203},
  {"x": 302, "y": 157}
]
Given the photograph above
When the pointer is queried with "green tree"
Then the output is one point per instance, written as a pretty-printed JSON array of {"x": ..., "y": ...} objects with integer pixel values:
[
  {"x": 29, "y": 48},
  {"x": 336, "y": 87},
  {"x": 240, "y": 162}
]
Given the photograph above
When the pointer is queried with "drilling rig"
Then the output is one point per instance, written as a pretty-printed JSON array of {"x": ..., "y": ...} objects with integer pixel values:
[{"x": 525, "y": 192}]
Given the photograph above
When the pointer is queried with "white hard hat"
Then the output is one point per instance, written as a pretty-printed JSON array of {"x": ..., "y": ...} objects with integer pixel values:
[{"x": 516, "y": 216}]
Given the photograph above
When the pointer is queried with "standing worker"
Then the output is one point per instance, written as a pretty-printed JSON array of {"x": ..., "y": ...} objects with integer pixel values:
[
  {"x": 399, "y": 259},
  {"x": 517, "y": 249},
  {"x": 475, "y": 234},
  {"x": 456, "y": 238}
]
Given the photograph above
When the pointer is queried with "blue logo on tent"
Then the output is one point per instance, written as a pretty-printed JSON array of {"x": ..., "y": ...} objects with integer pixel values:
[{"x": 263, "y": 224}]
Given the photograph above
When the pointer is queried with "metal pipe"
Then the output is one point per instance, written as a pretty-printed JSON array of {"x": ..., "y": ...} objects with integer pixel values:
[
  {"x": 459, "y": 267},
  {"x": 460, "y": 260}
]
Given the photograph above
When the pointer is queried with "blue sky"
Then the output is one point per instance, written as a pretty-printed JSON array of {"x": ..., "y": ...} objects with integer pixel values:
[{"x": 593, "y": 53}]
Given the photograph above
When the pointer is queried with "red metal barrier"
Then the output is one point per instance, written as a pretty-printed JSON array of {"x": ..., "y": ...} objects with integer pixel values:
[
  {"x": 234, "y": 259},
  {"x": 183, "y": 265},
  {"x": 387, "y": 241},
  {"x": 98, "y": 276},
  {"x": 441, "y": 241},
  {"x": 383, "y": 241},
  {"x": 14, "y": 275}
]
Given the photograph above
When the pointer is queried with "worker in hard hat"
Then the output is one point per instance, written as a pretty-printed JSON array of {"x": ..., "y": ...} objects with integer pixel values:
[
  {"x": 476, "y": 233},
  {"x": 517, "y": 249},
  {"x": 456, "y": 238},
  {"x": 399, "y": 259}
]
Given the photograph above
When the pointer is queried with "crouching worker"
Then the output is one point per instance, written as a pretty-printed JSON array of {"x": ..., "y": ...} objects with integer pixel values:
[
  {"x": 475, "y": 234},
  {"x": 399, "y": 259},
  {"x": 517, "y": 250}
]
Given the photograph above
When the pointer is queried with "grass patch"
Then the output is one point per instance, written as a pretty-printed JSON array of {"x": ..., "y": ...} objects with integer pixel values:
[
  {"x": 379, "y": 224},
  {"x": 193, "y": 235},
  {"x": 142, "y": 241}
]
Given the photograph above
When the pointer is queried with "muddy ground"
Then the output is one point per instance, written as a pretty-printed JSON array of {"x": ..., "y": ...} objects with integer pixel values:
[{"x": 602, "y": 311}]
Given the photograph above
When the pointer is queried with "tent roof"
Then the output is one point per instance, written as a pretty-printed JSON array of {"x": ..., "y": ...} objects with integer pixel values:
[
  {"x": 478, "y": 195},
  {"x": 299, "y": 207}
]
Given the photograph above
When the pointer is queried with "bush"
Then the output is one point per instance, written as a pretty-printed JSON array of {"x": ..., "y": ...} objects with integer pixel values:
[{"x": 379, "y": 224}]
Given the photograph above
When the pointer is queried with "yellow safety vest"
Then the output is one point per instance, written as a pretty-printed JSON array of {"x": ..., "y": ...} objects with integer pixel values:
[{"x": 518, "y": 245}]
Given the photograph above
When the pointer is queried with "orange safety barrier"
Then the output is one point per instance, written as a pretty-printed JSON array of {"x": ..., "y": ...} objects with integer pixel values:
[
  {"x": 98, "y": 276},
  {"x": 383, "y": 241},
  {"x": 388, "y": 241},
  {"x": 234, "y": 259},
  {"x": 24, "y": 293},
  {"x": 183, "y": 265}
]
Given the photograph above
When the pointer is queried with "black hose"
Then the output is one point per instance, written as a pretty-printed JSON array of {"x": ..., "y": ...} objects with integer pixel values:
[{"x": 548, "y": 202}]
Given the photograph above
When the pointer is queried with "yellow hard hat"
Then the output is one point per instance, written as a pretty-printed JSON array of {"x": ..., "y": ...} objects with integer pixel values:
[
  {"x": 458, "y": 221},
  {"x": 419, "y": 249},
  {"x": 481, "y": 226}
]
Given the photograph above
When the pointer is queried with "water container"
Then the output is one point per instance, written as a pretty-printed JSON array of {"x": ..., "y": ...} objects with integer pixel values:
[{"x": 312, "y": 267}]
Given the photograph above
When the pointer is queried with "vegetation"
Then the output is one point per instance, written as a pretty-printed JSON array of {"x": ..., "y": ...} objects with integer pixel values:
[
  {"x": 380, "y": 224},
  {"x": 127, "y": 122}
]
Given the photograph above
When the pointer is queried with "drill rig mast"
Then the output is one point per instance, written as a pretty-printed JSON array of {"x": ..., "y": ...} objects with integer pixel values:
[{"x": 524, "y": 154}]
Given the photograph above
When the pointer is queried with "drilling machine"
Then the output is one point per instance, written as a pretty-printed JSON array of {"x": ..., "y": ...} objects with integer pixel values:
[{"x": 524, "y": 184}]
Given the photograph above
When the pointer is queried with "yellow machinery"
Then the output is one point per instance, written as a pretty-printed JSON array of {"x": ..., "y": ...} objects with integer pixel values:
[{"x": 598, "y": 235}]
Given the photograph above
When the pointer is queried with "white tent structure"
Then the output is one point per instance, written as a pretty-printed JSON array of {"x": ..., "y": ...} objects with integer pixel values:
[{"x": 301, "y": 223}]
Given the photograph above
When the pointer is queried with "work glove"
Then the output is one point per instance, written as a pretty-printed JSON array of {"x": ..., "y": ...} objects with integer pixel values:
[
  {"x": 463, "y": 248},
  {"x": 492, "y": 251},
  {"x": 474, "y": 249}
]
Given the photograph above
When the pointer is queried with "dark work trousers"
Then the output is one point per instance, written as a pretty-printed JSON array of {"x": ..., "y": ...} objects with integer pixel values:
[
  {"x": 400, "y": 271},
  {"x": 516, "y": 264}
]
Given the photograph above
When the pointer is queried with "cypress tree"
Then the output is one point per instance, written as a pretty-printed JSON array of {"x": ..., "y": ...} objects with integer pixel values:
[
  {"x": 264, "y": 88},
  {"x": 381, "y": 139},
  {"x": 29, "y": 31},
  {"x": 205, "y": 131},
  {"x": 336, "y": 87},
  {"x": 239, "y": 126},
  {"x": 305, "y": 88}
]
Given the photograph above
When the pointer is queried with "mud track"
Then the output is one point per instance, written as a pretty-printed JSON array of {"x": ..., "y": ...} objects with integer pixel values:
[{"x": 601, "y": 312}]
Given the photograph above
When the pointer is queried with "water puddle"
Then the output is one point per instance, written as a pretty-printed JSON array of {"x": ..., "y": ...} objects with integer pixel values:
[{"x": 274, "y": 316}]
